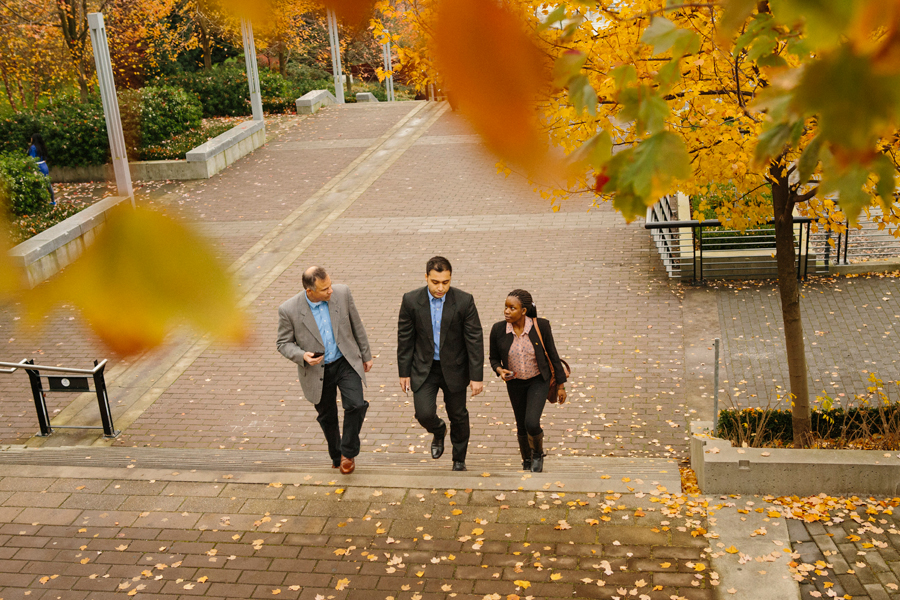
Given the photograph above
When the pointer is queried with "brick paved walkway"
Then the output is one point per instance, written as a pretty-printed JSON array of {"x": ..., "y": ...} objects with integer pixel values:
[
  {"x": 617, "y": 321},
  {"x": 849, "y": 324}
]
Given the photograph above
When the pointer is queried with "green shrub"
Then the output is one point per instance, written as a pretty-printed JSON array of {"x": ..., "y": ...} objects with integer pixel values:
[
  {"x": 179, "y": 145},
  {"x": 75, "y": 133},
  {"x": 152, "y": 115},
  {"x": 22, "y": 184},
  {"x": 223, "y": 90}
]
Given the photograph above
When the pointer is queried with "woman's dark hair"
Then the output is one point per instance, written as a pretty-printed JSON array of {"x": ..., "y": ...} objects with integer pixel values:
[
  {"x": 38, "y": 142},
  {"x": 527, "y": 302}
]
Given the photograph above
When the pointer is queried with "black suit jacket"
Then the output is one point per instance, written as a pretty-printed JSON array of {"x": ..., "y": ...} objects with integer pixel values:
[
  {"x": 462, "y": 340},
  {"x": 501, "y": 342}
]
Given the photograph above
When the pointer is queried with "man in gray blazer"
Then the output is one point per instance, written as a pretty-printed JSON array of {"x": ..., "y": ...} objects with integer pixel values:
[{"x": 320, "y": 330}]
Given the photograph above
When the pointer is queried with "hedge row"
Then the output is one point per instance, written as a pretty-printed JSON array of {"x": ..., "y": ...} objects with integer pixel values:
[{"x": 776, "y": 425}]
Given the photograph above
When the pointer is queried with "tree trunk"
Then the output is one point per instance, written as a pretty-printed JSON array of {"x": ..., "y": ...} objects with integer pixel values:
[
  {"x": 282, "y": 60},
  {"x": 205, "y": 43},
  {"x": 75, "y": 28},
  {"x": 783, "y": 204}
]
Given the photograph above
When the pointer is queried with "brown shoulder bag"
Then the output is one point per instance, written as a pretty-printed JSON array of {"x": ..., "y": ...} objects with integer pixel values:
[{"x": 552, "y": 395}]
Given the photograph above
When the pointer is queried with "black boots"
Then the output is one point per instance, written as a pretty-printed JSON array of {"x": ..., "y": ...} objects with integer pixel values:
[
  {"x": 525, "y": 450},
  {"x": 536, "y": 442}
]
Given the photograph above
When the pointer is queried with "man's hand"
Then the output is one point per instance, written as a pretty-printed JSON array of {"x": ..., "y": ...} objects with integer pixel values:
[
  {"x": 477, "y": 387},
  {"x": 308, "y": 357},
  {"x": 367, "y": 366},
  {"x": 404, "y": 384}
]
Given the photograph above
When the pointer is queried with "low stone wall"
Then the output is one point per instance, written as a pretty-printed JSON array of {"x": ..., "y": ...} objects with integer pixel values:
[
  {"x": 201, "y": 162},
  {"x": 311, "y": 102},
  {"x": 723, "y": 469},
  {"x": 49, "y": 251}
]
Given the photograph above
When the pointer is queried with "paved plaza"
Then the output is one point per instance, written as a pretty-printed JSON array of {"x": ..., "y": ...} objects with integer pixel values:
[{"x": 220, "y": 456}]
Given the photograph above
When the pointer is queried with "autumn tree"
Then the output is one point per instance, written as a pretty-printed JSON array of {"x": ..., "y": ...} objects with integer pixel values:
[
  {"x": 142, "y": 35},
  {"x": 33, "y": 59},
  {"x": 779, "y": 99}
]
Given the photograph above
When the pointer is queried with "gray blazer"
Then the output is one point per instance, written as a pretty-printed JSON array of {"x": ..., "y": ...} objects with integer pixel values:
[{"x": 298, "y": 334}]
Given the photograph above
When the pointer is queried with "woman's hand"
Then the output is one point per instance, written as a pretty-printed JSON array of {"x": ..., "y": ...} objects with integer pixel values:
[
  {"x": 561, "y": 395},
  {"x": 504, "y": 374}
]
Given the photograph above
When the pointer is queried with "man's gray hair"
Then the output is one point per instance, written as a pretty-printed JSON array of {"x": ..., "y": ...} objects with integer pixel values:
[{"x": 311, "y": 275}]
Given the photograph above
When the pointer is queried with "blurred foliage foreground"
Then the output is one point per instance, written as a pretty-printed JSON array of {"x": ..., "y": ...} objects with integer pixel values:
[{"x": 143, "y": 275}]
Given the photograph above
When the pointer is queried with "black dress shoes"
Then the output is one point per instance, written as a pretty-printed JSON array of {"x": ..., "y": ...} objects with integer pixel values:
[
  {"x": 437, "y": 447},
  {"x": 459, "y": 465}
]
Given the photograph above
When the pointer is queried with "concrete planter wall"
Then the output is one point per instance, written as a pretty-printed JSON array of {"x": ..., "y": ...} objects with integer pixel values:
[
  {"x": 49, "y": 251},
  {"x": 201, "y": 162},
  {"x": 722, "y": 469}
]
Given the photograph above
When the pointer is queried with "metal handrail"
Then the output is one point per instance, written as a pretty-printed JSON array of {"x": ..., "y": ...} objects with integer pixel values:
[
  {"x": 22, "y": 365},
  {"x": 710, "y": 223},
  {"x": 13, "y": 368}
]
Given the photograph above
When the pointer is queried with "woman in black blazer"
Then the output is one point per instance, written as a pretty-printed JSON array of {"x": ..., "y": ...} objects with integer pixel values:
[{"x": 517, "y": 356}]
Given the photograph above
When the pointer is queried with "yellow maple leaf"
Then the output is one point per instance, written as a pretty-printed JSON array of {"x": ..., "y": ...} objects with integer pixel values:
[
  {"x": 522, "y": 583},
  {"x": 456, "y": 511},
  {"x": 731, "y": 550},
  {"x": 203, "y": 579},
  {"x": 341, "y": 584},
  {"x": 477, "y": 531},
  {"x": 556, "y": 576}
]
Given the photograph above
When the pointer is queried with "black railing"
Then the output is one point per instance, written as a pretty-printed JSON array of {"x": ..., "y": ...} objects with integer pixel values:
[{"x": 694, "y": 250}]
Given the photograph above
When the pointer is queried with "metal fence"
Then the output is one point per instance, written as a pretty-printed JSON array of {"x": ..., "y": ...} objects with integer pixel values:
[{"x": 693, "y": 251}]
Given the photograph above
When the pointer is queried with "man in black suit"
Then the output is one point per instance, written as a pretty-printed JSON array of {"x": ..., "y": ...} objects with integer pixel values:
[{"x": 440, "y": 345}]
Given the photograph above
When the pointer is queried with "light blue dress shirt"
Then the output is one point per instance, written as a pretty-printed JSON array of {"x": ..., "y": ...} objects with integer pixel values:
[
  {"x": 437, "y": 311},
  {"x": 323, "y": 322}
]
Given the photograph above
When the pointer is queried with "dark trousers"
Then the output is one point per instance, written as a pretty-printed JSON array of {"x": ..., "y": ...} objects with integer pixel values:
[
  {"x": 425, "y": 400},
  {"x": 528, "y": 397},
  {"x": 340, "y": 375}
]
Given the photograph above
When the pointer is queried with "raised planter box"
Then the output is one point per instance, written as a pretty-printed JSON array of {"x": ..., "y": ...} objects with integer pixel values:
[
  {"x": 723, "y": 469},
  {"x": 201, "y": 162},
  {"x": 310, "y": 102},
  {"x": 49, "y": 251},
  {"x": 366, "y": 97}
]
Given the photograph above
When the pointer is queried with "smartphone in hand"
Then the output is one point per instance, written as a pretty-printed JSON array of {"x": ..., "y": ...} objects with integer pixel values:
[
  {"x": 318, "y": 354},
  {"x": 508, "y": 376}
]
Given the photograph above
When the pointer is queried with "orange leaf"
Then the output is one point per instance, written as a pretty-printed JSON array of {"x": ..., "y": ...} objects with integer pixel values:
[
  {"x": 143, "y": 274},
  {"x": 494, "y": 73},
  {"x": 352, "y": 12}
]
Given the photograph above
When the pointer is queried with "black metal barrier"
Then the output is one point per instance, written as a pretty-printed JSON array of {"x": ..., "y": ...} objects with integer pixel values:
[{"x": 77, "y": 383}]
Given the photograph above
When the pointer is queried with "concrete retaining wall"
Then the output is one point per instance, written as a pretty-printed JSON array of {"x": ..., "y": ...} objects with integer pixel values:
[
  {"x": 49, "y": 251},
  {"x": 722, "y": 469},
  {"x": 201, "y": 162},
  {"x": 310, "y": 102}
]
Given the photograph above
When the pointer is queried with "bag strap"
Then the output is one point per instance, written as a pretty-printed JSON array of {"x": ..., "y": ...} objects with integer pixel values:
[{"x": 544, "y": 347}]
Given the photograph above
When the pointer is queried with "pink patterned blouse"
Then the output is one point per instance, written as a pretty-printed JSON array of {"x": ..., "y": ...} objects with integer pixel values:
[{"x": 522, "y": 360}]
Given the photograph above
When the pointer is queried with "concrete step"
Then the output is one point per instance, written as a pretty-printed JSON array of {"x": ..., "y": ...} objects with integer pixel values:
[{"x": 586, "y": 474}]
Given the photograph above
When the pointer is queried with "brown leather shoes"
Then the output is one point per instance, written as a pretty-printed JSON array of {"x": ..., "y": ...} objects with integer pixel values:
[{"x": 347, "y": 465}]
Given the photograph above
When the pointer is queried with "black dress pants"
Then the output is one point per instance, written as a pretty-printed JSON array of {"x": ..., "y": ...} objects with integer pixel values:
[
  {"x": 425, "y": 401},
  {"x": 528, "y": 397},
  {"x": 340, "y": 375}
]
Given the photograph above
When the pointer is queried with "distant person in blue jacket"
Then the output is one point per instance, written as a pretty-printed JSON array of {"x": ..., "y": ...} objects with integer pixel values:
[{"x": 39, "y": 151}]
